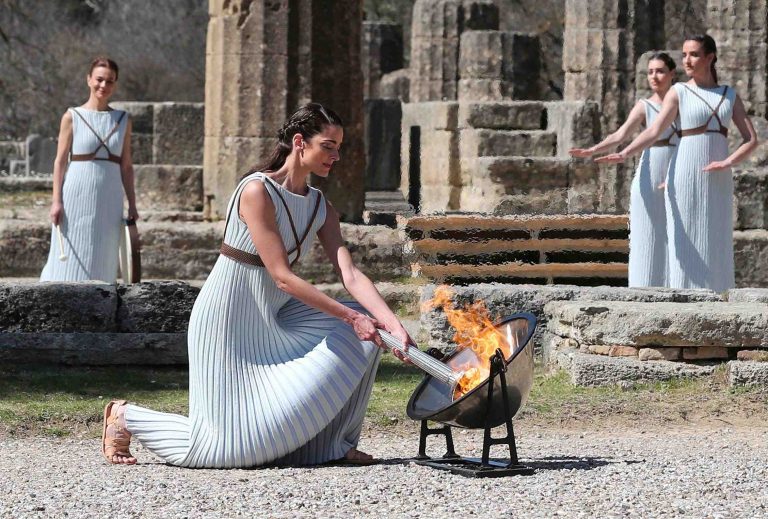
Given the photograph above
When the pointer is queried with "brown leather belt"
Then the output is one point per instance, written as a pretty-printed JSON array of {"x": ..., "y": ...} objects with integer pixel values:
[
  {"x": 663, "y": 143},
  {"x": 92, "y": 156},
  {"x": 241, "y": 255},
  {"x": 703, "y": 129}
]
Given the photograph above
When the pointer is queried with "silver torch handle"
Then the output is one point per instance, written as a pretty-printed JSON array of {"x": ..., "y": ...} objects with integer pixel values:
[{"x": 424, "y": 361}]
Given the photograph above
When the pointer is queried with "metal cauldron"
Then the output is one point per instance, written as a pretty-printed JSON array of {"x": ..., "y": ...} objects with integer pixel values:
[{"x": 433, "y": 399}]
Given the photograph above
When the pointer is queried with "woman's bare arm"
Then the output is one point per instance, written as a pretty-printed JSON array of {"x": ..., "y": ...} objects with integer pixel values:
[
  {"x": 667, "y": 114},
  {"x": 630, "y": 126},
  {"x": 60, "y": 164},
  {"x": 748, "y": 134},
  {"x": 258, "y": 212}
]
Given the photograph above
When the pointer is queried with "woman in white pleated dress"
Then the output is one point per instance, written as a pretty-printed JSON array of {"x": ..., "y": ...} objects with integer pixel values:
[
  {"x": 647, "y": 216},
  {"x": 699, "y": 194},
  {"x": 92, "y": 174},
  {"x": 279, "y": 372}
]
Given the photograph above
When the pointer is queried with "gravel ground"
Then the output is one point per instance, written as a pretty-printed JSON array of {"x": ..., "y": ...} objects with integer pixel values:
[{"x": 672, "y": 472}]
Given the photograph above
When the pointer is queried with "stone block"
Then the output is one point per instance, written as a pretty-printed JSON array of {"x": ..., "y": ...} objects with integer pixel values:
[
  {"x": 141, "y": 148},
  {"x": 748, "y": 295},
  {"x": 600, "y": 370},
  {"x": 169, "y": 188},
  {"x": 612, "y": 351},
  {"x": 383, "y": 119},
  {"x": 510, "y": 115},
  {"x": 742, "y": 373},
  {"x": 439, "y": 152},
  {"x": 751, "y": 199},
  {"x": 750, "y": 258},
  {"x": 553, "y": 201},
  {"x": 697, "y": 325},
  {"x": 659, "y": 353},
  {"x": 705, "y": 353},
  {"x": 484, "y": 90},
  {"x": 142, "y": 115},
  {"x": 41, "y": 152},
  {"x": 521, "y": 175},
  {"x": 396, "y": 85},
  {"x": 500, "y": 143},
  {"x": 485, "y": 55},
  {"x": 178, "y": 133},
  {"x": 435, "y": 115},
  {"x": 57, "y": 307},
  {"x": 155, "y": 307},
  {"x": 577, "y": 124},
  {"x": 588, "y": 14},
  {"x": 753, "y": 355},
  {"x": 94, "y": 349},
  {"x": 588, "y": 49},
  {"x": 24, "y": 247},
  {"x": 439, "y": 198}
]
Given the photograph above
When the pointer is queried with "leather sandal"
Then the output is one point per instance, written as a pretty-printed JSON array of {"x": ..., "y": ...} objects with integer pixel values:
[{"x": 117, "y": 445}]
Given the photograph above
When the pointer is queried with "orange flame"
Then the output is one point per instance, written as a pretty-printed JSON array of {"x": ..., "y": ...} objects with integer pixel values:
[{"x": 475, "y": 330}]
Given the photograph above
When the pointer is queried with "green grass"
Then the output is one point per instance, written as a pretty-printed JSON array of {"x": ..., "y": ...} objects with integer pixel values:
[{"x": 68, "y": 401}]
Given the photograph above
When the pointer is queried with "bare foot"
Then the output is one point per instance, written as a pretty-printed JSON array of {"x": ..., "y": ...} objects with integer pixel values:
[
  {"x": 355, "y": 455},
  {"x": 117, "y": 439}
]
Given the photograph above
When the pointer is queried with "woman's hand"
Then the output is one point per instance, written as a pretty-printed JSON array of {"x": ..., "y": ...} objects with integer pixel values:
[
  {"x": 717, "y": 165},
  {"x": 399, "y": 332},
  {"x": 366, "y": 329},
  {"x": 57, "y": 211},
  {"x": 582, "y": 153},
  {"x": 133, "y": 214},
  {"x": 613, "y": 158}
]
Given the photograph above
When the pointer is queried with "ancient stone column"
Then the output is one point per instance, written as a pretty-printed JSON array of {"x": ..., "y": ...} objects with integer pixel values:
[
  {"x": 246, "y": 91},
  {"x": 265, "y": 58},
  {"x": 739, "y": 28},
  {"x": 435, "y": 33}
]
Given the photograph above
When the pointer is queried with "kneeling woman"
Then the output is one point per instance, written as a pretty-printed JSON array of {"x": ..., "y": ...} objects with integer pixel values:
[{"x": 278, "y": 371}]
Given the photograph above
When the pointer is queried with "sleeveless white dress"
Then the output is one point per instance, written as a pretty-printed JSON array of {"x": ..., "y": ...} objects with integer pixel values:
[
  {"x": 271, "y": 380},
  {"x": 647, "y": 216},
  {"x": 92, "y": 195},
  {"x": 700, "y": 204}
]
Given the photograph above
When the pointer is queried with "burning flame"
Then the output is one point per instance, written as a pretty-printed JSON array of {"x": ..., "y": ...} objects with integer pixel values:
[{"x": 475, "y": 330}]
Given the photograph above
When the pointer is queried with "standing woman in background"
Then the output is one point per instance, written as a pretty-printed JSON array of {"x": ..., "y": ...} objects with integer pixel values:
[
  {"x": 699, "y": 194},
  {"x": 94, "y": 149},
  {"x": 647, "y": 218}
]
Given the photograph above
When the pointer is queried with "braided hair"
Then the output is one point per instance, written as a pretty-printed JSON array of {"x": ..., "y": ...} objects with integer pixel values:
[{"x": 308, "y": 120}]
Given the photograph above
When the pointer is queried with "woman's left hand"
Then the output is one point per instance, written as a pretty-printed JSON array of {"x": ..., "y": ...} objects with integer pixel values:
[
  {"x": 717, "y": 165},
  {"x": 613, "y": 158},
  {"x": 133, "y": 214}
]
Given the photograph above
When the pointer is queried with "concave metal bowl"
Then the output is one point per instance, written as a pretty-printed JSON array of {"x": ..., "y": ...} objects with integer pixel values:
[{"x": 433, "y": 400}]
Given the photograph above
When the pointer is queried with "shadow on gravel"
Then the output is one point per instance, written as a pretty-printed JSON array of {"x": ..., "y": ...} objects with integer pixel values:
[{"x": 574, "y": 462}]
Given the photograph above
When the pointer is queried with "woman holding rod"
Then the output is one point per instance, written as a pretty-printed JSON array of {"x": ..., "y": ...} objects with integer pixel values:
[
  {"x": 647, "y": 219},
  {"x": 94, "y": 150},
  {"x": 699, "y": 193},
  {"x": 278, "y": 371}
]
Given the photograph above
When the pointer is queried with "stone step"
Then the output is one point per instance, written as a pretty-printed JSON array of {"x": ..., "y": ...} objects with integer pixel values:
[
  {"x": 386, "y": 208},
  {"x": 710, "y": 324},
  {"x": 510, "y": 115},
  {"x": 505, "y": 143}
]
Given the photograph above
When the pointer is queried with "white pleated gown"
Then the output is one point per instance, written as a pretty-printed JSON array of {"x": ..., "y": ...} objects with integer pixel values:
[
  {"x": 92, "y": 195},
  {"x": 271, "y": 380},
  {"x": 700, "y": 204},
  {"x": 647, "y": 214}
]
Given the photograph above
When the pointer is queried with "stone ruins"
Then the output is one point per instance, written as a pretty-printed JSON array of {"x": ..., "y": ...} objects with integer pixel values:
[{"x": 467, "y": 176}]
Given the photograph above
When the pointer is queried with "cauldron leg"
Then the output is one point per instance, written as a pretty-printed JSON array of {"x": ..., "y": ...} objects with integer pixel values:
[
  {"x": 445, "y": 430},
  {"x": 498, "y": 367}
]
